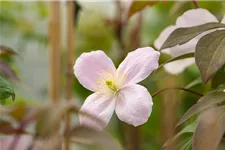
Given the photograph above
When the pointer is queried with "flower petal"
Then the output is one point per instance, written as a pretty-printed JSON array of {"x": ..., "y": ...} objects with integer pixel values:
[
  {"x": 163, "y": 36},
  {"x": 90, "y": 66},
  {"x": 178, "y": 66},
  {"x": 98, "y": 106},
  {"x": 134, "y": 104},
  {"x": 138, "y": 65},
  {"x": 195, "y": 17},
  {"x": 188, "y": 19},
  {"x": 179, "y": 50}
]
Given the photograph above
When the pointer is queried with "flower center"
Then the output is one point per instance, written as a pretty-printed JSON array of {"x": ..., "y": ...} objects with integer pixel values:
[{"x": 111, "y": 85}]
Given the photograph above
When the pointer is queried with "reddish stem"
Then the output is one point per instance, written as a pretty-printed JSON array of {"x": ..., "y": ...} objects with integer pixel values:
[{"x": 195, "y": 3}]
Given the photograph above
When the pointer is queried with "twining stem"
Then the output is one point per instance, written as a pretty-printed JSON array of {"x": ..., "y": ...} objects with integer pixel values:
[
  {"x": 54, "y": 51},
  {"x": 195, "y": 3},
  {"x": 70, "y": 56},
  {"x": 177, "y": 88}
]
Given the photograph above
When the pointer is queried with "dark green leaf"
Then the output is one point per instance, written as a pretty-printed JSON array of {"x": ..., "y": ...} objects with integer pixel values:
[
  {"x": 137, "y": 6},
  {"x": 187, "y": 145},
  {"x": 6, "y": 90},
  {"x": 183, "y": 35},
  {"x": 188, "y": 129},
  {"x": 210, "y": 54},
  {"x": 210, "y": 129},
  {"x": 219, "y": 78},
  {"x": 208, "y": 100}
]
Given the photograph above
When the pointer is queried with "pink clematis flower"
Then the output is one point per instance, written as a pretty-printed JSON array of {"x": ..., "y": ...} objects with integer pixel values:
[
  {"x": 190, "y": 18},
  {"x": 116, "y": 89}
]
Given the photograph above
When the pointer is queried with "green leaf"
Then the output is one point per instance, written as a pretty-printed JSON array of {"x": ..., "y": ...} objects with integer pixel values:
[
  {"x": 210, "y": 54},
  {"x": 137, "y": 6},
  {"x": 187, "y": 145},
  {"x": 219, "y": 78},
  {"x": 189, "y": 55},
  {"x": 188, "y": 129},
  {"x": 210, "y": 129},
  {"x": 183, "y": 35},
  {"x": 6, "y": 90},
  {"x": 193, "y": 83},
  {"x": 208, "y": 100}
]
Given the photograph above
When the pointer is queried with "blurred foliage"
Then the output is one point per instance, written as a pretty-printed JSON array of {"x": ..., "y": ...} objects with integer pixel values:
[
  {"x": 137, "y": 6},
  {"x": 6, "y": 90},
  {"x": 24, "y": 27},
  {"x": 48, "y": 121}
]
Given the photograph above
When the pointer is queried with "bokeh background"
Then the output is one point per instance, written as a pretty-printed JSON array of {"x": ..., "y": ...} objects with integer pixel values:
[{"x": 24, "y": 27}]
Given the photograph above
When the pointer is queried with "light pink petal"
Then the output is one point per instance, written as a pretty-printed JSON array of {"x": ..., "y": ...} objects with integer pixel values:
[
  {"x": 138, "y": 65},
  {"x": 179, "y": 50},
  {"x": 134, "y": 104},
  {"x": 178, "y": 66},
  {"x": 90, "y": 66},
  {"x": 223, "y": 20},
  {"x": 23, "y": 143},
  {"x": 163, "y": 36},
  {"x": 190, "y": 18},
  {"x": 195, "y": 17},
  {"x": 100, "y": 107}
]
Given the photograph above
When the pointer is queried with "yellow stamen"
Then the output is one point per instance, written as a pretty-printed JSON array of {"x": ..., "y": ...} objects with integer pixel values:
[{"x": 111, "y": 85}]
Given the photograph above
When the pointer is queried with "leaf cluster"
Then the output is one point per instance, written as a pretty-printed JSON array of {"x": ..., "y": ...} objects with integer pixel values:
[{"x": 210, "y": 59}]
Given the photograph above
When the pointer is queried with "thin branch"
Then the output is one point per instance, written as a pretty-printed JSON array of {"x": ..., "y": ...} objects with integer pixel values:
[
  {"x": 177, "y": 88},
  {"x": 54, "y": 51},
  {"x": 195, "y": 3},
  {"x": 70, "y": 56}
]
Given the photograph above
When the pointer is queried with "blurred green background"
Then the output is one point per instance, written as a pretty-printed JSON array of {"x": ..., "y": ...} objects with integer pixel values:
[{"x": 24, "y": 28}]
